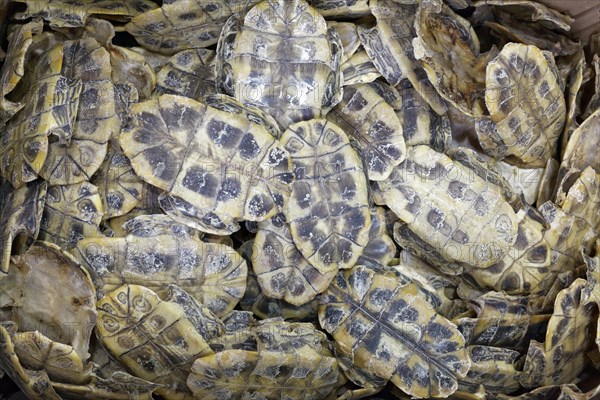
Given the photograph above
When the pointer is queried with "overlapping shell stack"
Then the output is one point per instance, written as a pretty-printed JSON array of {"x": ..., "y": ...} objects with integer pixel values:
[{"x": 283, "y": 200}]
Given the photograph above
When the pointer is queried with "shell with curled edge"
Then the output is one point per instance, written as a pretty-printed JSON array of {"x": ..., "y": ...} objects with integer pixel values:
[{"x": 47, "y": 289}]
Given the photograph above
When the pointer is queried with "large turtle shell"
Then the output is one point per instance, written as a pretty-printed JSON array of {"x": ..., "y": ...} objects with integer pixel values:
[
  {"x": 46, "y": 288},
  {"x": 283, "y": 59},
  {"x": 157, "y": 251},
  {"x": 459, "y": 214},
  {"x": 384, "y": 327},
  {"x": 227, "y": 166},
  {"x": 151, "y": 337},
  {"x": 328, "y": 210},
  {"x": 526, "y": 105}
]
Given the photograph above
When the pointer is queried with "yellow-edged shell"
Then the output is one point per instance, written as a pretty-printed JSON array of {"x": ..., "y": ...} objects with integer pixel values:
[
  {"x": 461, "y": 216},
  {"x": 68, "y": 14},
  {"x": 13, "y": 66},
  {"x": 152, "y": 338},
  {"x": 229, "y": 167},
  {"x": 20, "y": 213},
  {"x": 371, "y": 123},
  {"x": 60, "y": 361},
  {"x": 328, "y": 209},
  {"x": 189, "y": 73},
  {"x": 383, "y": 327},
  {"x": 390, "y": 46},
  {"x": 35, "y": 384},
  {"x": 283, "y": 59},
  {"x": 71, "y": 213},
  {"x": 159, "y": 252},
  {"x": 281, "y": 270},
  {"x": 526, "y": 105},
  {"x": 184, "y": 24}
]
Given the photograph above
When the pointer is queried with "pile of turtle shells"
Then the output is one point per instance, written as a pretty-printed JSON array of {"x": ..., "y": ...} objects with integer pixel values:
[{"x": 298, "y": 200}]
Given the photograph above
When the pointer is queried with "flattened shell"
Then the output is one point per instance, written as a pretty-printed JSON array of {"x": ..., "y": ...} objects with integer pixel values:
[
  {"x": 184, "y": 24},
  {"x": 20, "y": 214},
  {"x": 151, "y": 337},
  {"x": 281, "y": 270},
  {"x": 387, "y": 329},
  {"x": 229, "y": 167},
  {"x": 282, "y": 59},
  {"x": 328, "y": 209},
  {"x": 46, "y": 287},
  {"x": 419, "y": 191},
  {"x": 527, "y": 121},
  {"x": 71, "y": 213},
  {"x": 68, "y": 14},
  {"x": 214, "y": 274}
]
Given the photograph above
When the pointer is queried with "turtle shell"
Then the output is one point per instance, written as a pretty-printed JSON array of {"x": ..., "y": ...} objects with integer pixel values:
[
  {"x": 359, "y": 69},
  {"x": 341, "y": 8},
  {"x": 95, "y": 121},
  {"x": 283, "y": 59},
  {"x": 189, "y": 73},
  {"x": 389, "y": 45},
  {"x": 384, "y": 327},
  {"x": 526, "y": 122},
  {"x": 568, "y": 337},
  {"x": 328, "y": 210},
  {"x": 53, "y": 103},
  {"x": 348, "y": 34},
  {"x": 289, "y": 362},
  {"x": 371, "y": 124},
  {"x": 120, "y": 189},
  {"x": 281, "y": 269},
  {"x": 71, "y": 213},
  {"x": 184, "y": 24},
  {"x": 380, "y": 250},
  {"x": 60, "y": 361},
  {"x": 502, "y": 321},
  {"x": 46, "y": 287},
  {"x": 448, "y": 48},
  {"x": 229, "y": 167},
  {"x": 20, "y": 214},
  {"x": 152, "y": 338},
  {"x": 459, "y": 214},
  {"x": 420, "y": 124},
  {"x": 579, "y": 154},
  {"x": 35, "y": 384},
  {"x": 13, "y": 66},
  {"x": 158, "y": 251},
  {"x": 74, "y": 13}
]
